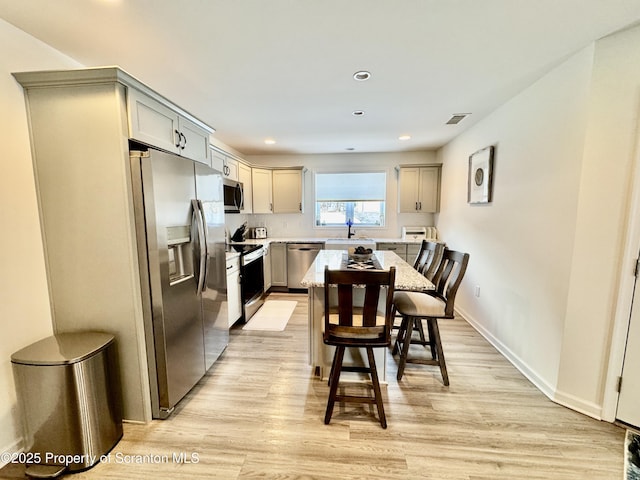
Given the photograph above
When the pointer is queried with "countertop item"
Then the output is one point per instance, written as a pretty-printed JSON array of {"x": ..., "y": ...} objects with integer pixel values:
[
  {"x": 415, "y": 233},
  {"x": 240, "y": 234}
]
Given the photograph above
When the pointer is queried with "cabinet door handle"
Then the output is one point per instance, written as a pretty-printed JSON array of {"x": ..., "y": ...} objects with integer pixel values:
[
  {"x": 178, "y": 139},
  {"x": 300, "y": 206},
  {"x": 419, "y": 205},
  {"x": 183, "y": 141},
  {"x": 416, "y": 205}
]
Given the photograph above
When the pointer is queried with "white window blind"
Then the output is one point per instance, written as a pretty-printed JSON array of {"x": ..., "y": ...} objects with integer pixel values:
[{"x": 351, "y": 187}]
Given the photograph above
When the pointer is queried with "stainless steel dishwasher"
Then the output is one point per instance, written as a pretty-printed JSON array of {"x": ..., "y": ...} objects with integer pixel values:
[{"x": 300, "y": 256}]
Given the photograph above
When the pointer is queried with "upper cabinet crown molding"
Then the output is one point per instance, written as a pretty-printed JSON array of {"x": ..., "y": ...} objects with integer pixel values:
[
  {"x": 95, "y": 75},
  {"x": 152, "y": 119}
]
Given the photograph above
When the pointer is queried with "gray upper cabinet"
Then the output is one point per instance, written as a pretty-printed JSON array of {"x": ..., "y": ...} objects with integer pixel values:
[
  {"x": 156, "y": 124},
  {"x": 287, "y": 190},
  {"x": 419, "y": 188},
  {"x": 225, "y": 164},
  {"x": 244, "y": 176}
]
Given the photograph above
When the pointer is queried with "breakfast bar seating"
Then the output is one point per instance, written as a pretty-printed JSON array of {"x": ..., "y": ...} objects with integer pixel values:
[{"x": 321, "y": 355}]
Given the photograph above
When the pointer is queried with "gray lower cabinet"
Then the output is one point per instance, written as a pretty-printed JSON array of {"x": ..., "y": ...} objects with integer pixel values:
[
  {"x": 407, "y": 251},
  {"x": 267, "y": 267},
  {"x": 233, "y": 290},
  {"x": 412, "y": 252},
  {"x": 399, "y": 248},
  {"x": 278, "y": 264}
]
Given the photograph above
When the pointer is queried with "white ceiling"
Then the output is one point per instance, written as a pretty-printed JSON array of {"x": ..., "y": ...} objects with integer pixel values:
[{"x": 283, "y": 69}]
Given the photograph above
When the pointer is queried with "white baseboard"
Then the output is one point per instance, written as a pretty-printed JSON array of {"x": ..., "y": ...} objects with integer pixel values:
[
  {"x": 566, "y": 400},
  {"x": 579, "y": 405}
]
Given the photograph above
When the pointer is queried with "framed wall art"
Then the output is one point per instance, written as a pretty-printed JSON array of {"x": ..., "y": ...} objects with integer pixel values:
[{"x": 480, "y": 183}]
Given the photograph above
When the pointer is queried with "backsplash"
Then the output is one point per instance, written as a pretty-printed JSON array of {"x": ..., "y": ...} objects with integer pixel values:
[{"x": 296, "y": 225}]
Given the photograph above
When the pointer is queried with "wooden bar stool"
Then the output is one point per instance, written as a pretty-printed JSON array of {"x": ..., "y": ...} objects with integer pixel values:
[
  {"x": 427, "y": 263},
  {"x": 349, "y": 326},
  {"x": 431, "y": 306}
]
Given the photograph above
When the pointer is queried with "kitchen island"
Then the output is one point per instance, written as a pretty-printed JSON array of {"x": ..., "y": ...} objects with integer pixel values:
[{"x": 321, "y": 355}]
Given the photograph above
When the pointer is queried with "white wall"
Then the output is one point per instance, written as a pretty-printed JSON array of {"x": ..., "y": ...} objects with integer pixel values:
[
  {"x": 547, "y": 253},
  {"x": 288, "y": 225},
  {"x": 599, "y": 275},
  {"x": 521, "y": 244},
  {"x": 24, "y": 299}
]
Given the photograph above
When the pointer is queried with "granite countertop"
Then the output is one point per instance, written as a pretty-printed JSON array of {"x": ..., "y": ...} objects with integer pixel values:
[
  {"x": 267, "y": 241},
  {"x": 253, "y": 241},
  {"x": 407, "y": 278}
]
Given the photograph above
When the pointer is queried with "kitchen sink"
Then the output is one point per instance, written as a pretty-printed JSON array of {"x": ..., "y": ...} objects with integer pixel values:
[
  {"x": 349, "y": 240},
  {"x": 345, "y": 243}
]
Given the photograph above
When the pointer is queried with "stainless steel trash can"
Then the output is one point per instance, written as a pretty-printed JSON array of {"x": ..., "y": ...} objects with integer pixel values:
[{"x": 69, "y": 395}]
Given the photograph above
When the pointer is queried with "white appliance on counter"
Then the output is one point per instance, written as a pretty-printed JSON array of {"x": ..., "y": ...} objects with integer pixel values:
[
  {"x": 417, "y": 234},
  {"x": 260, "y": 232}
]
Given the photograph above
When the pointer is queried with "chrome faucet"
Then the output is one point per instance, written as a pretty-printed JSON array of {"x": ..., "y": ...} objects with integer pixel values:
[{"x": 349, "y": 232}]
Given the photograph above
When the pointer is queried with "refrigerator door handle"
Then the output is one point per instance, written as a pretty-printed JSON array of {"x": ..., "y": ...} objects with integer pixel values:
[
  {"x": 205, "y": 247},
  {"x": 200, "y": 252}
]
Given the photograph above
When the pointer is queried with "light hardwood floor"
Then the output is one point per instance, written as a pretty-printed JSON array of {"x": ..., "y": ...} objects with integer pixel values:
[{"x": 259, "y": 413}]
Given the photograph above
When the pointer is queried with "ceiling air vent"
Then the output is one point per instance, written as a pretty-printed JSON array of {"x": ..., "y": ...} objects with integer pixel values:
[{"x": 457, "y": 118}]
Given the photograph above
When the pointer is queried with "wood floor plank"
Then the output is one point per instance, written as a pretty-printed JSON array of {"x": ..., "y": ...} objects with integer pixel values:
[{"x": 258, "y": 413}]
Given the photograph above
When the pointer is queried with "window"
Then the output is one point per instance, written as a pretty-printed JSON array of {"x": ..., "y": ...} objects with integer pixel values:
[{"x": 355, "y": 197}]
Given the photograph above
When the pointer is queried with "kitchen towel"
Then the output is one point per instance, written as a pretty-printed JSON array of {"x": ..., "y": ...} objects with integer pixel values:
[{"x": 272, "y": 316}]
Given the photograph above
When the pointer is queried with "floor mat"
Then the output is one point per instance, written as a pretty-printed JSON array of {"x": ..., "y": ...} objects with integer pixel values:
[{"x": 272, "y": 316}]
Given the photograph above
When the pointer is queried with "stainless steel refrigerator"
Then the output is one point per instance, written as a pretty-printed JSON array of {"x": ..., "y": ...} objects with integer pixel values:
[{"x": 179, "y": 211}]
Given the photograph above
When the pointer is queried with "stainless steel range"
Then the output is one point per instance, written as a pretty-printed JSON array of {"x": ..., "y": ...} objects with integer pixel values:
[{"x": 251, "y": 278}]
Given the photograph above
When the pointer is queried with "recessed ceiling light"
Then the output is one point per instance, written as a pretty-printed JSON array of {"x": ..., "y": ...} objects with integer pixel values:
[
  {"x": 404, "y": 137},
  {"x": 361, "y": 76},
  {"x": 357, "y": 113},
  {"x": 270, "y": 141}
]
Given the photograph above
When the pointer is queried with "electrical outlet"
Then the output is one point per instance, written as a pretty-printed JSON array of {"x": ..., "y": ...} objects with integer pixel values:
[{"x": 477, "y": 290}]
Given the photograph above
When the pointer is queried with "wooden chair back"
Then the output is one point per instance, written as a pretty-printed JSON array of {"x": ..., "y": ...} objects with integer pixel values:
[
  {"x": 349, "y": 324},
  {"x": 429, "y": 258},
  {"x": 448, "y": 277}
]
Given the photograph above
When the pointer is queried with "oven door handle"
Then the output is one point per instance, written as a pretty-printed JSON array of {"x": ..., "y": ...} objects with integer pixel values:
[{"x": 198, "y": 232}]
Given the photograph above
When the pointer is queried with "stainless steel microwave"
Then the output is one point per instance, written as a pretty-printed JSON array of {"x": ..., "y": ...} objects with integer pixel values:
[{"x": 233, "y": 196}]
